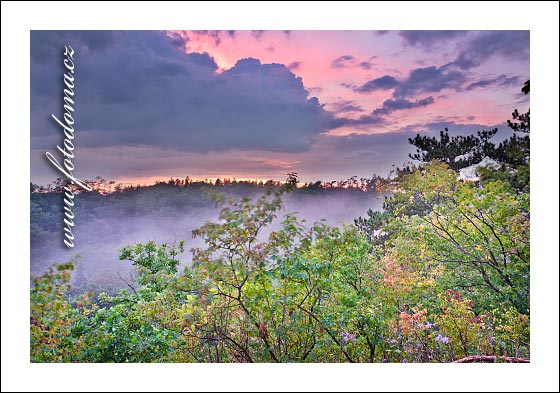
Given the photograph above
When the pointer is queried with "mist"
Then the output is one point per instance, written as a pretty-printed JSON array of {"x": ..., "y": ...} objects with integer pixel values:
[{"x": 104, "y": 224}]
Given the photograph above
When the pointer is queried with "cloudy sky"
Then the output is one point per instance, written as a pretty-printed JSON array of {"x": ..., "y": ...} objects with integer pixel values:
[{"x": 256, "y": 104}]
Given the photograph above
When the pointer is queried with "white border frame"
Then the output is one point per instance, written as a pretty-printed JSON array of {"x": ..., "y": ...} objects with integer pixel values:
[{"x": 19, "y": 18}]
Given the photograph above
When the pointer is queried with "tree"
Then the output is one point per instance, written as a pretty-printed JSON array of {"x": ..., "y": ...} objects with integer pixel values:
[
  {"x": 456, "y": 151},
  {"x": 460, "y": 152},
  {"x": 298, "y": 294},
  {"x": 513, "y": 154},
  {"x": 515, "y": 151},
  {"x": 292, "y": 179},
  {"x": 480, "y": 234},
  {"x": 57, "y": 328},
  {"x": 523, "y": 123}
]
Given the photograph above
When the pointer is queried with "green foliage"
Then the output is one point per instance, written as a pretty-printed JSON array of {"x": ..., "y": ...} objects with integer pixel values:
[
  {"x": 480, "y": 235},
  {"x": 56, "y": 327},
  {"x": 446, "y": 275},
  {"x": 370, "y": 227},
  {"x": 295, "y": 297},
  {"x": 512, "y": 154},
  {"x": 518, "y": 178},
  {"x": 150, "y": 259},
  {"x": 443, "y": 235},
  {"x": 141, "y": 327}
]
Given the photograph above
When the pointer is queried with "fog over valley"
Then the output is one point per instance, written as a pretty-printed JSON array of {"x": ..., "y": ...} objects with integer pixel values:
[{"x": 104, "y": 224}]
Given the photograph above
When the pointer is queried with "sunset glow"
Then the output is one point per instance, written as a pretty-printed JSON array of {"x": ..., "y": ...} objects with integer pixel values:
[{"x": 258, "y": 104}]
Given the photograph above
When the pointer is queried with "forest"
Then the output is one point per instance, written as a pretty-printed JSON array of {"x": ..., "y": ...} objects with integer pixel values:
[{"x": 437, "y": 271}]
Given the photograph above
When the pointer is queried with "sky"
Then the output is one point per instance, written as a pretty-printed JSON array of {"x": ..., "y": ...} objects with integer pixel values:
[{"x": 151, "y": 105}]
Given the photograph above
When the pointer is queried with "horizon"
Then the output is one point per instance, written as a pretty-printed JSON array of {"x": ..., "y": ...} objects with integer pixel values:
[{"x": 112, "y": 184}]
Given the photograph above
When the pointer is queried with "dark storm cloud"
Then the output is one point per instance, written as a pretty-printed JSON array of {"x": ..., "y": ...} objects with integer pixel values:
[
  {"x": 499, "y": 81},
  {"x": 179, "y": 39},
  {"x": 363, "y": 120},
  {"x": 476, "y": 48},
  {"x": 203, "y": 60},
  {"x": 145, "y": 91},
  {"x": 42, "y": 42},
  {"x": 428, "y": 38},
  {"x": 390, "y": 105},
  {"x": 383, "y": 83},
  {"x": 346, "y": 106},
  {"x": 420, "y": 80},
  {"x": 510, "y": 44},
  {"x": 342, "y": 61},
  {"x": 429, "y": 80}
]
